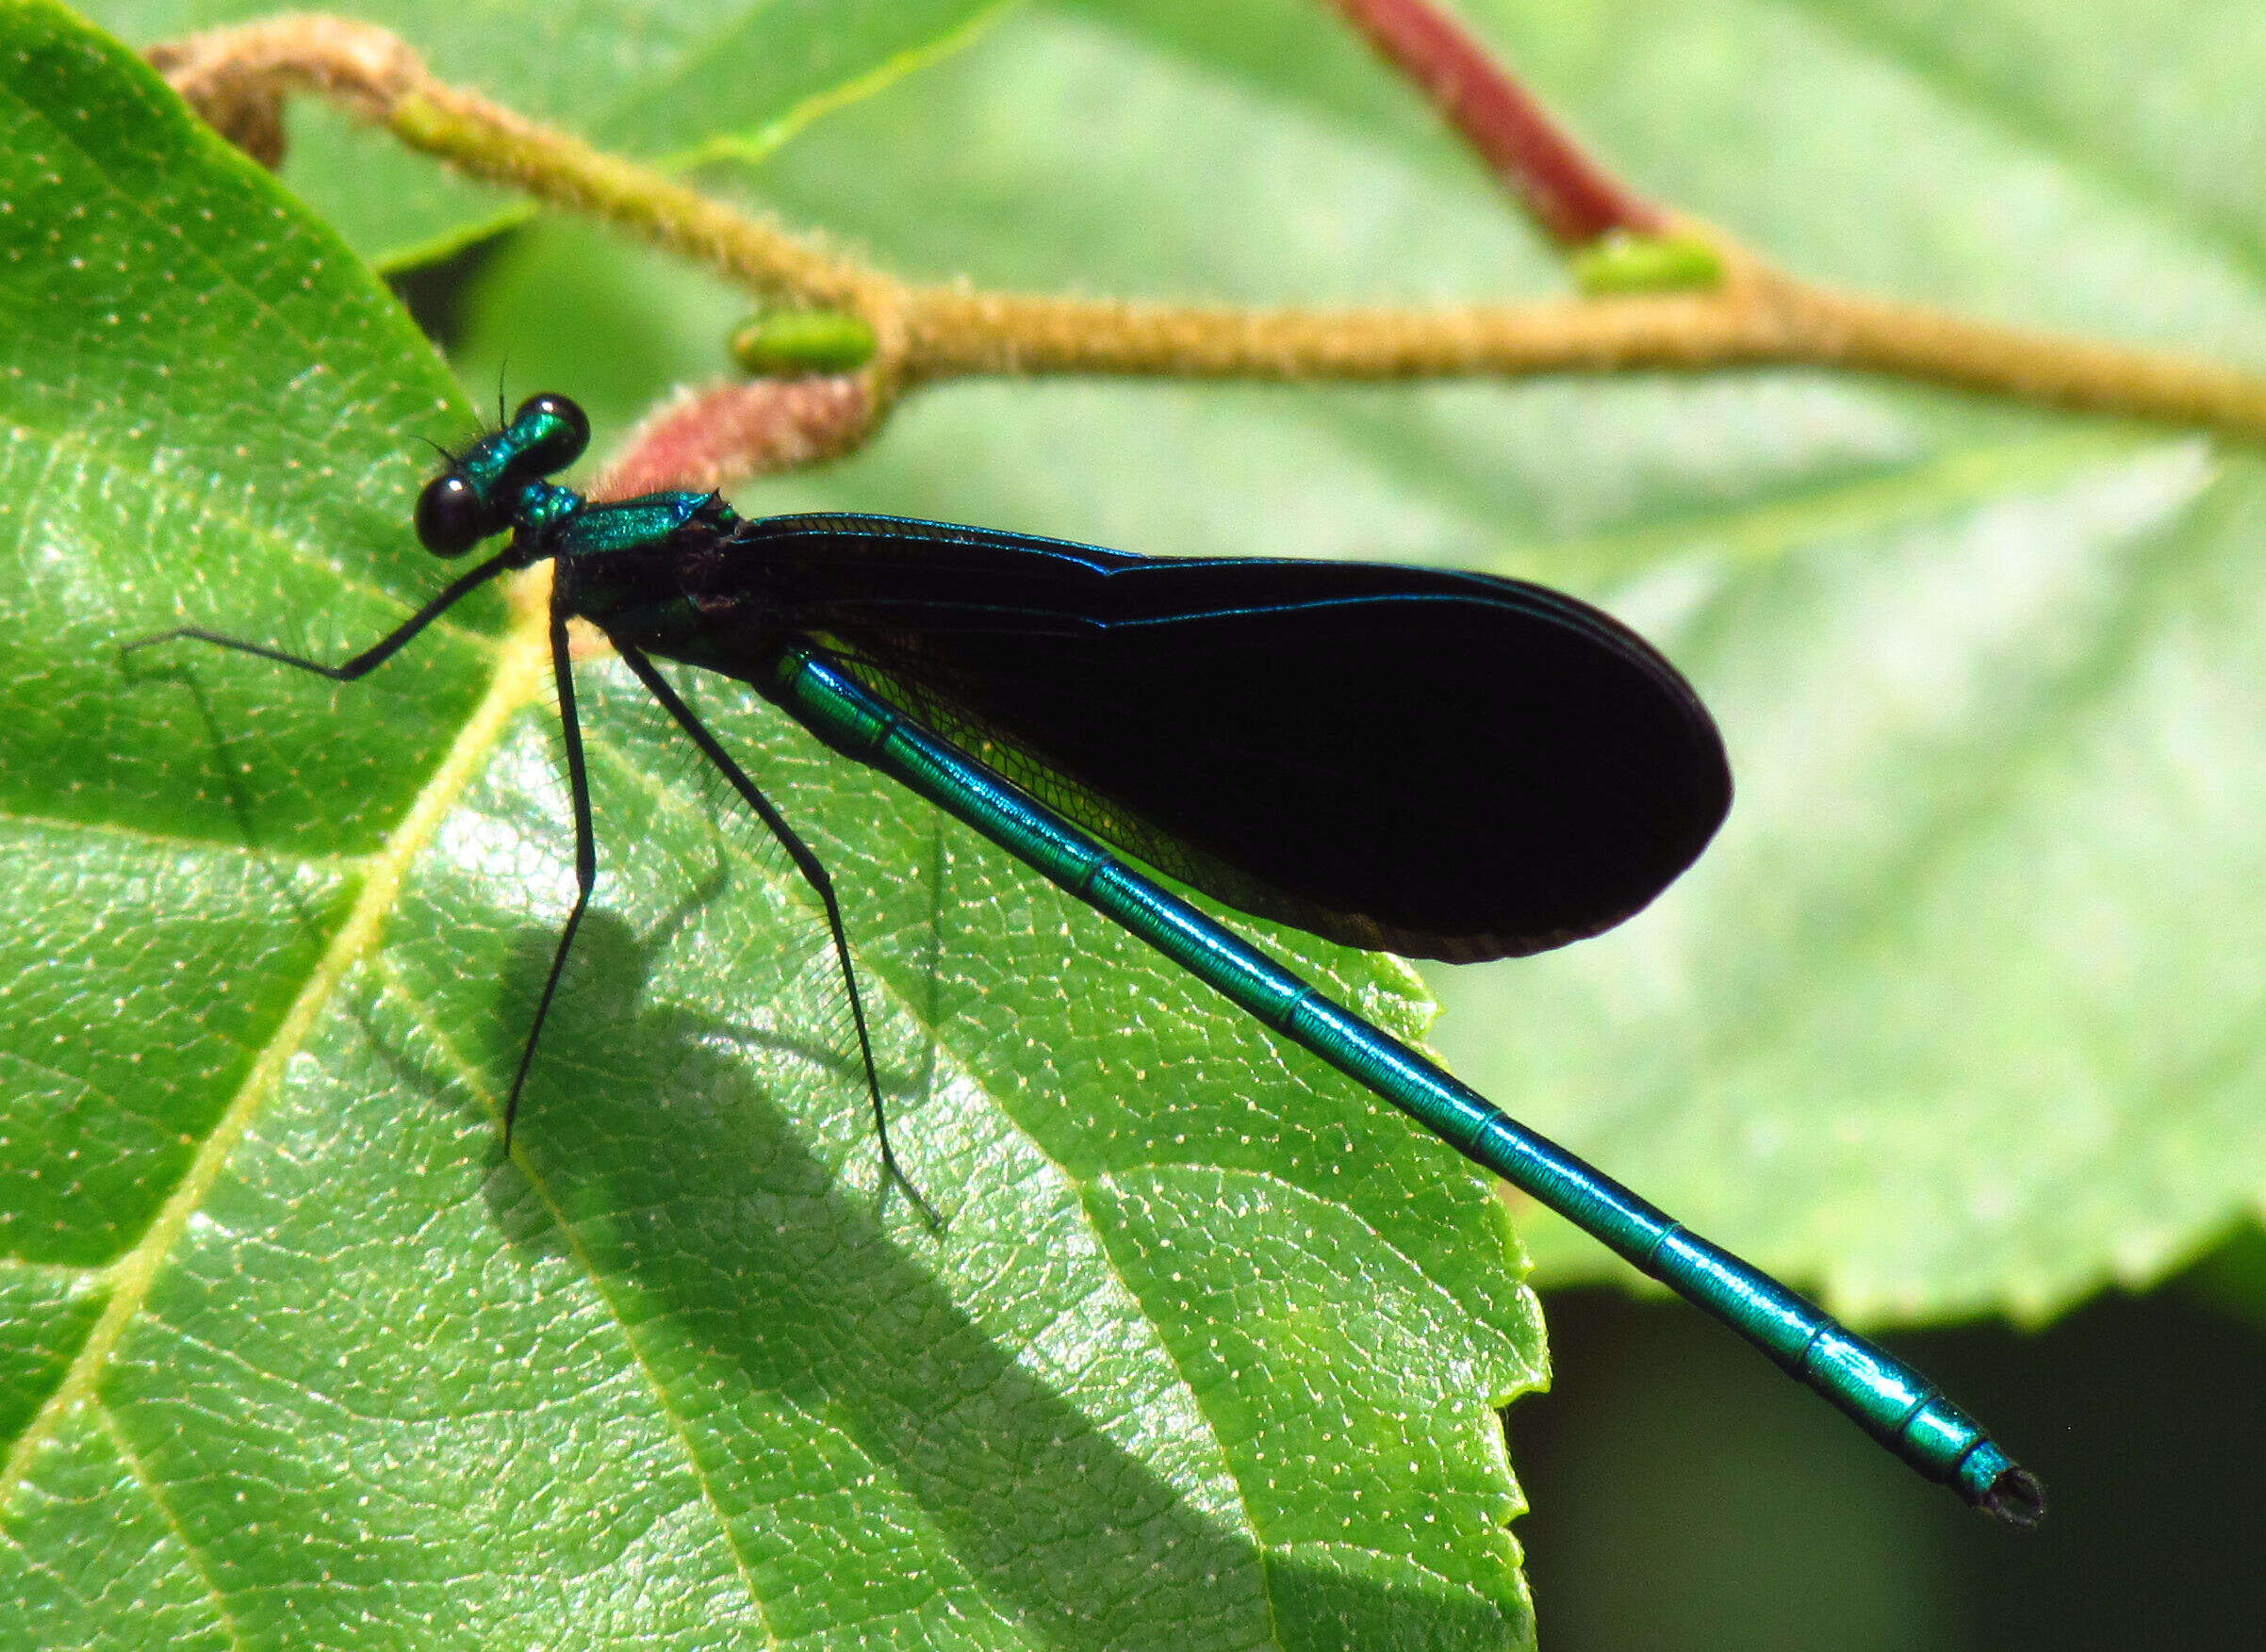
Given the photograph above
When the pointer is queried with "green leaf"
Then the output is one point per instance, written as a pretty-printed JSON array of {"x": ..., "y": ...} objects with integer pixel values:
[
  {"x": 1957, "y": 1016},
  {"x": 1954, "y": 1017},
  {"x": 1205, "y": 1355},
  {"x": 660, "y": 80}
]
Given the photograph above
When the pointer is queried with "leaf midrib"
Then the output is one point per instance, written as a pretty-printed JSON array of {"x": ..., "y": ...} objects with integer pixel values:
[{"x": 522, "y": 666}]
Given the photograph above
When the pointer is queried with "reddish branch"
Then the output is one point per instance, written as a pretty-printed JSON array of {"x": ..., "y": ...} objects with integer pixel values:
[
  {"x": 715, "y": 438},
  {"x": 1569, "y": 194}
]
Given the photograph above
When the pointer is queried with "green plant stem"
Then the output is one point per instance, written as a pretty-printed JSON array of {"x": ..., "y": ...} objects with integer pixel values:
[
  {"x": 1762, "y": 318},
  {"x": 1757, "y": 317}
]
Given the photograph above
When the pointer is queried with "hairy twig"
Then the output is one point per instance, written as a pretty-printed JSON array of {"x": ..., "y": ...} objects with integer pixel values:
[{"x": 1756, "y": 315}]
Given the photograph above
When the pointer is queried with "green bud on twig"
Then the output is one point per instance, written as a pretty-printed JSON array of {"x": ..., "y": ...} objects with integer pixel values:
[{"x": 782, "y": 343}]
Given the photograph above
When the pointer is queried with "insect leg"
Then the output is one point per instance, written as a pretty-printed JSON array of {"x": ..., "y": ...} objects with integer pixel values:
[
  {"x": 371, "y": 658},
  {"x": 813, "y": 872},
  {"x": 585, "y": 853}
]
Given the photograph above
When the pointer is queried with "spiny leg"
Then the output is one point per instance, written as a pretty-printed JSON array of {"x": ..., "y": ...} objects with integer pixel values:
[
  {"x": 369, "y": 658},
  {"x": 585, "y": 854},
  {"x": 813, "y": 872}
]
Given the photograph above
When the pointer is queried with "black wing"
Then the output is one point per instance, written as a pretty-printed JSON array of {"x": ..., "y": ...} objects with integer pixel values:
[{"x": 1437, "y": 764}]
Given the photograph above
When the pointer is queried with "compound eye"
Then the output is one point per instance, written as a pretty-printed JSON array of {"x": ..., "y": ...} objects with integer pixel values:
[
  {"x": 549, "y": 433},
  {"x": 450, "y": 516}
]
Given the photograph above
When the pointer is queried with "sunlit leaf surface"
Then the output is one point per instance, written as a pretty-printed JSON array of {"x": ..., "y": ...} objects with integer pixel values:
[{"x": 1205, "y": 1355}]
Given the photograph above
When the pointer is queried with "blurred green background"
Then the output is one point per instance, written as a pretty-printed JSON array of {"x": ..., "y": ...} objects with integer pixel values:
[{"x": 1957, "y": 1026}]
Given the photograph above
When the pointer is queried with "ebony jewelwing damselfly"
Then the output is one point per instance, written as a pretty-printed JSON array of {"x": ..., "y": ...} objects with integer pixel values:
[{"x": 1437, "y": 763}]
